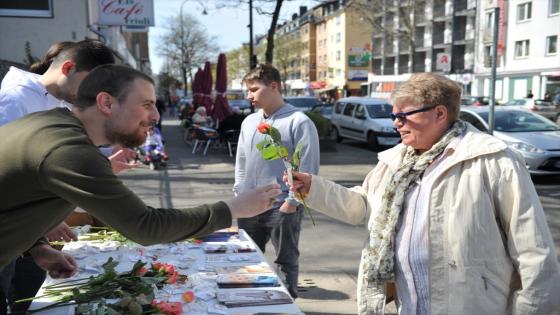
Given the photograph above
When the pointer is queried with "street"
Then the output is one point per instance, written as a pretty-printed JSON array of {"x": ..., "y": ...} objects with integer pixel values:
[{"x": 330, "y": 251}]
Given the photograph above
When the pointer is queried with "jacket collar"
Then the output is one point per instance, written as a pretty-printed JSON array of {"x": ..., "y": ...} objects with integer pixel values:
[{"x": 472, "y": 144}]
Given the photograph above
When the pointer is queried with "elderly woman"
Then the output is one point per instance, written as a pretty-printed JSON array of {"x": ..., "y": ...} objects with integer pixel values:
[
  {"x": 454, "y": 220},
  {"x": 200, "y": 117}
]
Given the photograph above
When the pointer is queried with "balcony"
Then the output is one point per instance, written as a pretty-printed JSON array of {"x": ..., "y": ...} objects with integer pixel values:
[
  {"x": 376, "y": 65},
  {"x": 403, "y": 64},
  {"x": 419, "y": 62},
  {"x": 389, "y": 66}
]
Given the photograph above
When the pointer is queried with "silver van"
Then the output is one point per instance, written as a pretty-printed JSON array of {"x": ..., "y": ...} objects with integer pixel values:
[{"x": 364, "y": 119}]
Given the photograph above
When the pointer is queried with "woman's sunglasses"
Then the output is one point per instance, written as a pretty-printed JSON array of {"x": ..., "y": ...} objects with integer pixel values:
[{"x": 401, "y": 116}]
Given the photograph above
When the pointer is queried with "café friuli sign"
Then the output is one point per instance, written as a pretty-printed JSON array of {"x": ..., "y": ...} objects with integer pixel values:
[{"x": 126, "y": 12}]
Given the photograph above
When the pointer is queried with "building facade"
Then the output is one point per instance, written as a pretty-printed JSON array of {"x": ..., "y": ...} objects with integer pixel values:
[
  {"x": 29, "y": 29},
  {"x": 528, "y": 58}
]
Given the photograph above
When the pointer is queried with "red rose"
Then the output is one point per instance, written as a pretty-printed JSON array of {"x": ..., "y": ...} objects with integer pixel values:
[{"x": 263, "y": 127}]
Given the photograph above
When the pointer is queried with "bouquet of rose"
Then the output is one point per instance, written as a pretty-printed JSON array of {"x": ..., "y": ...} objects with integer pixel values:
[
  {"x": 134, "y": 290},
  {"x": 271, "y": 148}
]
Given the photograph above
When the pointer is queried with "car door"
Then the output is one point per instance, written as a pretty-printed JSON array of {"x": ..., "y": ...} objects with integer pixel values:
[
  {"x": 346, "y": 124},
  {"x": 359, "y": 122}
]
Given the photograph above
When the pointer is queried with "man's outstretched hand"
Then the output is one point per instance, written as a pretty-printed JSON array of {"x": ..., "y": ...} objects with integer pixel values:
[
  {"x": 61, "y": 232},
  {"x": 253, "y": 202},
  {"x": 56, "y": 263}
]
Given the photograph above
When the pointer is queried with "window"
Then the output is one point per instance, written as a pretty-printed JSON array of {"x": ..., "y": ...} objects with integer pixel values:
[
  {"x": 489, "y": 20},
  {"x": 524, "y": 11},
  {"x": 553, "y": 7},
  {"x": 338, "y": 107},
  {"x": 338, "y": 72},
  {"x": 348, "y": 109},
  {"x": 360, "y": 112},
  {"x": 488, "y": 56},
  {"x": 522, "y": 48},
  {"x": 338, "y": 55},
  {"x": 552, "y": 45},
  {"x": 29, "y": 8},
  {"x": 338, "y": 20},
  {"x": 468, "y": 117},
  {"x": 338, "y": 37}
]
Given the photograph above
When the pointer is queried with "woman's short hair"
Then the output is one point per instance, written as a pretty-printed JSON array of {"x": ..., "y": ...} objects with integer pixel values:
[{"x": 430, "y": 89}]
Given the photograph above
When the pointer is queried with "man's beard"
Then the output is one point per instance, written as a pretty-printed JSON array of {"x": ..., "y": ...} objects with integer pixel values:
[{"x": 128, "y": 140}]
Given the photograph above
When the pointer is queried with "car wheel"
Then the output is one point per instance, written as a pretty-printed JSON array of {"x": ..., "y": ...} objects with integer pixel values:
[
  {"x": 372, "y": 140},
  {"x": 337, "y": 135}
]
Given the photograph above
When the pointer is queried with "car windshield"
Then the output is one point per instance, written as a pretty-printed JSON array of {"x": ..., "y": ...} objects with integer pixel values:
[
  {"x": 379, "y": 110},
  {"x": 303, "y": 102},
  {"x": 520, "y": 121}
]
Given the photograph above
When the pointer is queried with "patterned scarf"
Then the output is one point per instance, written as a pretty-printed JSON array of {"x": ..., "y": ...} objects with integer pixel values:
[{"x": 379, "y": 256}]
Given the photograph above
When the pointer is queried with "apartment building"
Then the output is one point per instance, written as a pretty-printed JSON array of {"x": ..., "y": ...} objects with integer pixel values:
[
  {"x": 421, "y": 36},
  {"x": 343, "y": 44},
  {"x": 528, "y": 57},
  {"x": 28, "y": 29}
]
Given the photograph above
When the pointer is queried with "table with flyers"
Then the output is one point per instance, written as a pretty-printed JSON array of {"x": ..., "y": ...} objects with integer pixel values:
[{"x": 225, "y": 273}]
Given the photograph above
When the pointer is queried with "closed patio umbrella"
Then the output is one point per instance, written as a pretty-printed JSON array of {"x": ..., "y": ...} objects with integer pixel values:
[
  {"x": 197, "y": 92},
  {"x": 221, "y": 107},
  {"x": 207, "y": 86}
]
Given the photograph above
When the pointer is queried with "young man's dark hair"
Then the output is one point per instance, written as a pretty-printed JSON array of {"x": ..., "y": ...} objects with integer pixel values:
[
  {"x": 264, "y": 73},
  {"x": 87, "y": 54},
  {"x": 113, "y": 79}
]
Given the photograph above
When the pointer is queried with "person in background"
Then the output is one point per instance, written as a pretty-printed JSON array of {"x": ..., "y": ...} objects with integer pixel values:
[
  {"x": 529, "y": 94},
  {"x": 161, "y": 110},
  {"x": 114, "y": 105},
  {"x": 200, "y": 117},
  {"x": 282, "y": 224},
  {"x": 454, "y": 220}
]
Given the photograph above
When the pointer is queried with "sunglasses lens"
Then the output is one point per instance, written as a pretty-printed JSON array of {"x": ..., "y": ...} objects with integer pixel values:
[{"x": 400, "y": 116}]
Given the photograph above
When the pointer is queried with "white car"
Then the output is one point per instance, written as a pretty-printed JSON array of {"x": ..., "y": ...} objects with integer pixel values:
[
  {"x": 365, "y": 119},
  {"x": 542, "y": 107}
]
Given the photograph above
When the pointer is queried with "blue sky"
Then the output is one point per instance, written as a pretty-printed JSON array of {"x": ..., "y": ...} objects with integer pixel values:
[{"x": 228, "y": 25}]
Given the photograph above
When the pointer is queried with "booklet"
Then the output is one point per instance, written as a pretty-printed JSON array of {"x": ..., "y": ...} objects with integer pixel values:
[
  {"x": 258, "y": 268},
  {"x": 252, "y": 298},
  {"x": 222, "y": 235},
  {"x": 237, "y": 280}
]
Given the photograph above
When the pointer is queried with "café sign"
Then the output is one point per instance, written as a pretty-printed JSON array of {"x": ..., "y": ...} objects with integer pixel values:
[{"x": 126, "y": 12}]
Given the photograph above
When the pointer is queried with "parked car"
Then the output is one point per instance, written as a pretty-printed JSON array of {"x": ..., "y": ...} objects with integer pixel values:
[
  {"x": 534, "y": 136},
  {"x": 243, "y": 104},
  {"x": 364, "y": 119},
  {"x": 303, "y": 103},
  {"x": 542, "y": 107},
  {"x": 475, "y": 100},
  {"x": 324, "y": 109}
]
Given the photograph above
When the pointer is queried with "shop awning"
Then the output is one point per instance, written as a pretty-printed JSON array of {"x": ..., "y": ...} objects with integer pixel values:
[{"x": 327, "y": 88}]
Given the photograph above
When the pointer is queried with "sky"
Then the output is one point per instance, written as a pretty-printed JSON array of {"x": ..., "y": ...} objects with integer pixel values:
[{"x": 228, "y": 25}]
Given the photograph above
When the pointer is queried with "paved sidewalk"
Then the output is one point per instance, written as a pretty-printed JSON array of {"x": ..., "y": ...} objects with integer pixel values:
[{"x": 330, "y": 251}]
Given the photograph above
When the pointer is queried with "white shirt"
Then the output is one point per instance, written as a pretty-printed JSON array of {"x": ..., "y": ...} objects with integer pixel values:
[
  {"x": 22, "y": 93},
  {"x": 412, "y": 242}
]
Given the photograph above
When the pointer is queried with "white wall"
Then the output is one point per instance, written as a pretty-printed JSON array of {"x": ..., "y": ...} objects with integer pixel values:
[{"x": 69, "y": 24}]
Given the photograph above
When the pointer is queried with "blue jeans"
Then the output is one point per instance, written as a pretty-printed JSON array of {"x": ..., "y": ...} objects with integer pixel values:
[{"x": 283, "y": 230}]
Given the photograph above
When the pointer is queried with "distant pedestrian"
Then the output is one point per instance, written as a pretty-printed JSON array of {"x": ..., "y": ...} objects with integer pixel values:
[{"x": 530, "y": 94}]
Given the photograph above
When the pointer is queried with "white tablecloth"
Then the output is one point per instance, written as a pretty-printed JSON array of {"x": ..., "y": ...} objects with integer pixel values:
[{"x": 188, "y": 258}]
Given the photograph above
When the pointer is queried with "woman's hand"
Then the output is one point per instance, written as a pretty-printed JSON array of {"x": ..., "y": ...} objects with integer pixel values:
[{"x": 301, "y": 185}]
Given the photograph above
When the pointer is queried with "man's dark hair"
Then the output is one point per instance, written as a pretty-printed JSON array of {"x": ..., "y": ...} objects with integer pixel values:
[
  {"x": 87, "y": 54},
  {"x": 263, "y": 73},
  {"x": 115, "y": 80}
]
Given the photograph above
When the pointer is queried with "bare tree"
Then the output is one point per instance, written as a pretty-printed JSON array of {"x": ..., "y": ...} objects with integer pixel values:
[
  {"x": 288, "y": 55},
  {"x": 186, "y": 44},
  {"x": 380, "y": 15}
]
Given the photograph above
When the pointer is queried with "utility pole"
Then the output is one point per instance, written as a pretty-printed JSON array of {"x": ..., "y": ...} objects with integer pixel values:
[
  {"x": 252, "y": 59},
  {"x": 493, "y": 79},
  {"x": 183, "y": 66}
]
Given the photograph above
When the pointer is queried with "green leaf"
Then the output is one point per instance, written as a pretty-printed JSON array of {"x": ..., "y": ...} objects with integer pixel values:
[
  {"x": 296, "y": 156},
  {"x": 137, "y": 266},
  {"x": 283, "y": 152},
  {"x": 275, "y": 134},
  {"x": 262, "y": 144},
  {"x": 270, "y": 152}
]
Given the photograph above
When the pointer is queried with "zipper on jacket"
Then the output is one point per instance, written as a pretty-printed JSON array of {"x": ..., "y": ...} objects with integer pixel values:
[{"x": 485, "y": 282}]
